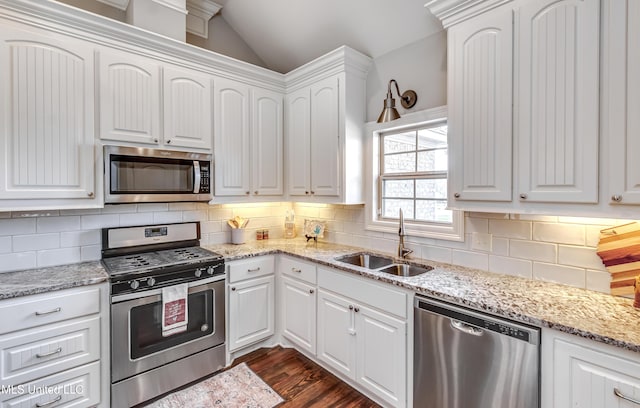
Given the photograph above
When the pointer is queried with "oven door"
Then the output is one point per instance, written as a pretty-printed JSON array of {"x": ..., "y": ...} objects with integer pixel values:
[{"x": 137, "y": 344}]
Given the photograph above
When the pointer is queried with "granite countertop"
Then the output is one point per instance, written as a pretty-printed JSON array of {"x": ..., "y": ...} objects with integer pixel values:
[
  {"x": 41, "y": 280},
  {"x": 593, "y": 315}
]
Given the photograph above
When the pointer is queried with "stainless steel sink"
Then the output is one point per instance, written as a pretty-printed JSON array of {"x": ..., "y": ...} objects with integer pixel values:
[
  {"x": 366, "y": 260},
  {"x": 405, "y": 269}
]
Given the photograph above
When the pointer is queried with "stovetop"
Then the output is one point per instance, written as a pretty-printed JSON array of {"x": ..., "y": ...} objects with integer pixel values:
[{"x": 147, "y": 261}]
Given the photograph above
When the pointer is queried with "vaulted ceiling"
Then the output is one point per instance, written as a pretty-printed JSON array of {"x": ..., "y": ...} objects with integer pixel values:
[{"x": 288, "y": 33}]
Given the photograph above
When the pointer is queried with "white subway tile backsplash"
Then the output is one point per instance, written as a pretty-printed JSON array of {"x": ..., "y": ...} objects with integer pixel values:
[
  {"x": 499, "y": 246},
  {"x": 560, "y": 233},
  {"x": 510, "y": 229},
  {"x": 89, "y": 222},
  {"x": 84, "y": 211},
  {"x": 510, "y": 266},
  {"x": 532, "y": 250},
  {"x": 472, "y": 225},
  {"x": 129, "y": 220},
  {"x": 598, "y": 281},
  {"x": 531, "y": 217},
  {"x": 437, "y": 254},
  {"x": 583, "y": 257},
  {"x": 470, "y": 259},
  {"x": 79, "y": 238},
  {"x": 58, "y": 224},
  {"x": 34, "y": 214},
  {"x": 194, "y": 215},
  {"x": 17, "y": 261},
  {"x": 566, "y": 275},
  {"x": 593, "y": 234},
  {"x": 24, "y": 243},
  {"x": 90, "y": 252},
  {"x": 5, "y": 245},
  {"x": 17, "y": 226},
  {"x": 119, "y": 208},
  {"x": 182, "y": 206},
  {"x": 61, "y": 256},
  {"x": 167, "y": 217},
  {"x": 481, "y": 242},
  {"x": 153, "y": 207}
]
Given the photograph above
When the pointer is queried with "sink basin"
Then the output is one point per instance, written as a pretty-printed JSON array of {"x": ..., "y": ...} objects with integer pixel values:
[
  {"x": 405, "y": 270},
  {"x": 366, "y": 260}
]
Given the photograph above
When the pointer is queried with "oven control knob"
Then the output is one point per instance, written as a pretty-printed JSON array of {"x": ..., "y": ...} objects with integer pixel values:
[
  {"x": 134, "y": 284},
  {"x": 151, "y": 282},
  {"x": 210, "y": 270},
  {"x": 198, "y": 272}
]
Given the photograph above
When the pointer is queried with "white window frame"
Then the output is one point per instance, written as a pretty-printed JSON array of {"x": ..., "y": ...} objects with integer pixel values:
[{"x": 449, "y": 232}]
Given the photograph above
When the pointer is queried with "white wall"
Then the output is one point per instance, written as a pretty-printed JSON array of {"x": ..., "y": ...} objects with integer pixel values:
[
  {"x": 224, "y": 40},
  {"x": 421, "y": 66}
]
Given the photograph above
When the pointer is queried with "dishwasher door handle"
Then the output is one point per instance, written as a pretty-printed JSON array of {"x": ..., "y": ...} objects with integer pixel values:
[{"x": 465, "y": 328}]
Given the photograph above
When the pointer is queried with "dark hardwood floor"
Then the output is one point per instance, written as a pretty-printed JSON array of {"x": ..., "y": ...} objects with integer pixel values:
[{"x": 300, "y": 381}]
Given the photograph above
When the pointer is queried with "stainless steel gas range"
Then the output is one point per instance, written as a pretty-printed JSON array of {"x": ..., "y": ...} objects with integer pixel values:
[{"x": 167, "y": 309}]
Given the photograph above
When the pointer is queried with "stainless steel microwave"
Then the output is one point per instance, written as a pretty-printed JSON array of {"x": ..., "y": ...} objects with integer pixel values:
[{"x": 142, "y": 175}]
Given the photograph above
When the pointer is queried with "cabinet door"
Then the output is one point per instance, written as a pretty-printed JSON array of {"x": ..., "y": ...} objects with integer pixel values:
[
  {"x": 298, "y": 111},
  {"x": 187, "y": 108},
  {"x": 382, "y": 354},
  {"x": 557, "y": 103},
  {"x": 336, "y": 333},
  {"x": 232, "y": 150},
  {"x": 267, "y": 138},
  {"x": 46, "y": 115},
  {"x": 129, "y": 98},
  {"x": 299, "y": 313},
  {"x": 325, "y": 138},
  {"x": 251, "y": 311},
  {"x": 622, "y": 99},
  {"x": 585, "y": 378},
  {"x": 480, "y": 108}
]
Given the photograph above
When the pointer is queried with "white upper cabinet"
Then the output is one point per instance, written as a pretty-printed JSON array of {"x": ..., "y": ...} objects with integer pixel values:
[
  {"x": 480, "y": 129},
  {"x": 248, "y": 140},
  {"x": 621, "y": 99},
  {"x": 557, "y": 90},
  {"x": 524, "y": 105},
  {"x": 133, "y": 110},
  {"x": 46, "y": 112},
  {"x": 129, "y": 98},
  {"x": 187, "y": 108},
  {"x": 325, "y": 116}
]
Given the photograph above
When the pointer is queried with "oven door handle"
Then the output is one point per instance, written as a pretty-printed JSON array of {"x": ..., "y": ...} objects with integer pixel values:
[{"x": 196, "y": 177}]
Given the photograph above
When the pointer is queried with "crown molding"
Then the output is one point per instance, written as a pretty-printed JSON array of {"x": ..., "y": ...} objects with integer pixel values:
[
  {"x": 339, "y": 60},
  {"x": 175, "y": 5},
  {"x": 74, "y": 22},
  {"x": 452, "y": 12},
  {"x": 200, "y": 12}
]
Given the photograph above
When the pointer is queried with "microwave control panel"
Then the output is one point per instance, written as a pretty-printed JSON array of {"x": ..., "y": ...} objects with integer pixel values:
[{"x": 205, "y": 182}]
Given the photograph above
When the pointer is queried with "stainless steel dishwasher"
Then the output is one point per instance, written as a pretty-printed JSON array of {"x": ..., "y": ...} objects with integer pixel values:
[{"x": 466, "y": 359}]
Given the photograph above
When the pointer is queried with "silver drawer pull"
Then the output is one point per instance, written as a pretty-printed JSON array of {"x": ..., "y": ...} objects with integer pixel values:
[
  {"x": 254, "y": 270},
  {"x": 619, "y": 394},
  {"x": 43, "y": 355},
  {"x": 53, "y": 401},
  {"x": 296, "y": 270},
  {"x": 56, "y": 310}
]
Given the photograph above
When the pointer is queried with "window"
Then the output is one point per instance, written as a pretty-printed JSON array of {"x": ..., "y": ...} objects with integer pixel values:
[
  {"x": 407, "y": 168},
  {"x": 413, "y": 174}
]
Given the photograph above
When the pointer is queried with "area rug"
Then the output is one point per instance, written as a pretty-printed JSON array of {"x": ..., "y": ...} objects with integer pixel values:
[{"x": 238, "y": 387}]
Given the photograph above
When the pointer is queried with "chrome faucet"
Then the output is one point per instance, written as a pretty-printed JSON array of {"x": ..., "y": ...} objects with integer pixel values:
[{"x": 402, "y": 251}]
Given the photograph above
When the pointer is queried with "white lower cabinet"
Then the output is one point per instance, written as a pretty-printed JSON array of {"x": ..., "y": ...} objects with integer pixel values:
[
  {"x": 54, "y": 349},
  {"x": 251, "y": 301},
  {"x": 360, "y": 340},
  {"x": 299, "y": 313},
  {"x": 580, "y": 373}
]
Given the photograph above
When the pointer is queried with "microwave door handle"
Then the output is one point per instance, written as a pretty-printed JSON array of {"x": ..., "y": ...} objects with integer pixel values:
[{"x": 196, "y": 178}]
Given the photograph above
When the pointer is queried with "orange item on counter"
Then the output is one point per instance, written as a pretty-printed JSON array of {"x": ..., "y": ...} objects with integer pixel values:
[{"x": 636, "y": 300}]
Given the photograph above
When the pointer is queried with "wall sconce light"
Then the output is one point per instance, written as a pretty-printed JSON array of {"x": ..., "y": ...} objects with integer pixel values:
[{"x": 389, "y": 112}]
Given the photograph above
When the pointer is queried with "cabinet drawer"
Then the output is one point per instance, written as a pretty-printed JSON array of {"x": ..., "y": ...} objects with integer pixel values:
[
  {"x": 298, "y": 269},
  {"x": 251, "y": 268},
  {"x": 32, "y": 311},
  {"x": 78, "y": 387},
  {"x": 364, "y": 290},
  {"x": 27, "y": 355}
]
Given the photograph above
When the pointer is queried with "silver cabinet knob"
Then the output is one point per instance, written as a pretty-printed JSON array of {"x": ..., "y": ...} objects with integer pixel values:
[
  {"x": 350, "y": 307},
  {"x": 255, "y": 192},
  {"x": 155, "y": 140},
  {"x": 233, "y": 288},
  {"x": 523, "y": 196},
  {"x": 306, "y": 192},
  {"x": 456, "y": 195},
  {"x": 90, "y": 194},
  {"x": 169, "y": 141},
  {"x": 311, "y": 291},
  {"x": 357, "y": 309},
  {"x": 313, "y": 192},
  {"x": 247, "y": 192},
  {"x": 616, "y": 197}
]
